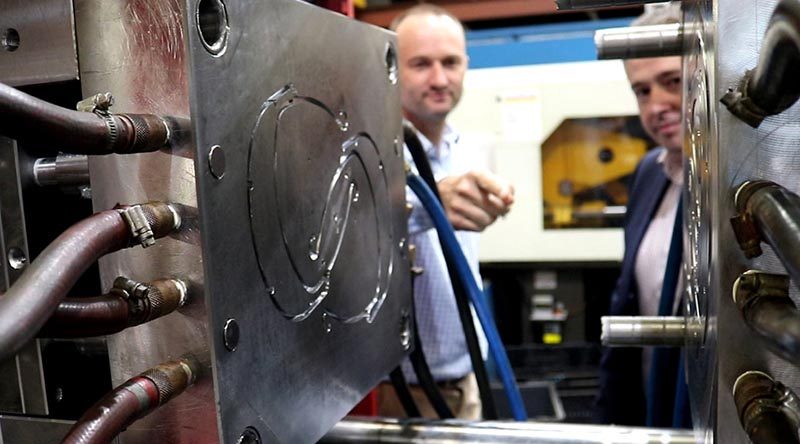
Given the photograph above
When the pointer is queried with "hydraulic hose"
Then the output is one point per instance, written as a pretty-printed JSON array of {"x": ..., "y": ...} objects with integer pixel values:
[
  {"x": 768, "y": 410},
  {"x": 33, "y": 298},
  {"x": 403, "y": 393},
  {"x": 29, "y": 119},
  {"x": 775, "y": 213},
  {"x": 132, "y": 400},
  {"x": 128, "y": 304},
  {"x": 763, "y": 299},
  {"x": 772, "y": 86},
  {"x": 489, "y": 411},
  {"x": 453, "y": 250}
]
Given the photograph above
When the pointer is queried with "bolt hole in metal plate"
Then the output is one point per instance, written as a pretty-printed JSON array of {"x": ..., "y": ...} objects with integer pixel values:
[
  {"x": 212, "y": 24},
  {"x": 10, "y": 40},
  {"x": 301, "y": 237}
]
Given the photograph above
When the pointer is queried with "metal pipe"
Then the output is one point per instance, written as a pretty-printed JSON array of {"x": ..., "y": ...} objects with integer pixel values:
[
  {"x": 768, "y": 410},
  {"x": 766, "y": 307},
  {"x": 595, "y": 4},
  {"x": 29, "y": 119},
  {"x": 132, "y": 400},
  {"x": 33, "y": 298},
  {"x": 772, "y": 86},
  {"x": 128, "y": 304},
  {"x": 638, "y": 331},
  {"x": 62, "y": 170},
  {"x": 639, "y": 41},
  {"x": 775, "y": 212},
  {"x": 410, "y": 431}
]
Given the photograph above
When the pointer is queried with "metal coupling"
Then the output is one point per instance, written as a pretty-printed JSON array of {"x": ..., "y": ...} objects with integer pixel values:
[
  {"x": 595, "y": 4},
  {"x": 754, "y": 284},
  {"x": 639, "y": 331},
  {"x": 62, "y": 170},
  {"x": 768, "y": 410},
  {"x": 172, "y": 378},
  {"x": 639, "y": 41},
  {"x": 152, "y": 300}
]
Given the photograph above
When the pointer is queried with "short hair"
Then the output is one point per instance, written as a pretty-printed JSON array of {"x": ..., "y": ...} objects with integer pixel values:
[
  {"x": 423, "y": 9},
  {"x": 660, "y": 14}
]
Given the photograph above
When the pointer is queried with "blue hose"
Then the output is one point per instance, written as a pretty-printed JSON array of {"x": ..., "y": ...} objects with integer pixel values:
[{"x": 452, "y": 249}]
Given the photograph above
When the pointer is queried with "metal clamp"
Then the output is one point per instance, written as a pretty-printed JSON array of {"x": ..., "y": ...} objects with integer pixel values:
[
  {"x": 140, "y": 227},
  {"x": 101, "y": 104}
]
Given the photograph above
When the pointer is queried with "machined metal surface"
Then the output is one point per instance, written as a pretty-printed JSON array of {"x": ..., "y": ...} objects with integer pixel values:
[
  {"x": 440, "y": 432},
  {"x": 14, "y": 429},
  {"x": 639, "y": 41},
  {"x": 62, "y": 170},
  {"x": 738, "y": 154},
  {"x": 631, "y": 331},
  {"x": 21, "y": 378},
  {"x": 303, "y": 222},
  {"x": 137, "y": 51},
  {"x": 37, "y": 42},
  {"x": 593, "y": 4}
]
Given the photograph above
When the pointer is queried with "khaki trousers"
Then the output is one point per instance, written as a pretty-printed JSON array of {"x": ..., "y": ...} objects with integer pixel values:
[{"x": 461, "y": 395}]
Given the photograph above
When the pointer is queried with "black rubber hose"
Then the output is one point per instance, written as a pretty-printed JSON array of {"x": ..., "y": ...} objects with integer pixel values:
[
  {"x": 29, "y": 119},
  {"x": 489, "y": 411},
  {"x": 403, "y": 393},
  {"x": 425, "y": 379}
]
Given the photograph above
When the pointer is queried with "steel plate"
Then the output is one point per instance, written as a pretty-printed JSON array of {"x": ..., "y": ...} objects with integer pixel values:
[{"x": 301, "y": 195}]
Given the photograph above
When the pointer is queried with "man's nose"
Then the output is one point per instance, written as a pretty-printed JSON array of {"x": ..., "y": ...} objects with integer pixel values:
[
  {"x": 438, "y": 76},
  {"x": 662, "y": 100}
]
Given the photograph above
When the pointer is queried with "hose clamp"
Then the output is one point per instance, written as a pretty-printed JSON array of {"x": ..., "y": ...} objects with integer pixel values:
[
  {"x": 100, "y": 104},
  {"x": 140, "y": 227}
]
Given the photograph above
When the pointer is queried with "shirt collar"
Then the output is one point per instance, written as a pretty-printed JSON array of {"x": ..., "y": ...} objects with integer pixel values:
[
  {"x": 449, "y": 140},
  {"x": 673, "y": 170}
]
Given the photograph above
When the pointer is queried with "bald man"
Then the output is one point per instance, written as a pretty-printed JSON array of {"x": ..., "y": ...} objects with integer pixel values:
[{"x": 433, "y": 60}]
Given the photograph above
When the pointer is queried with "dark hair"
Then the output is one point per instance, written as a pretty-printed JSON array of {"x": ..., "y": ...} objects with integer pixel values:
[
  {"x": 423, "y": 9},
  {"x": 662, "y": 14}
]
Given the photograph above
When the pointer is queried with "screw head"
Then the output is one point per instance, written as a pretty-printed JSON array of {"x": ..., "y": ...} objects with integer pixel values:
[
  {"x": 216, "y": 161},
  {"x": 230, "y": 334},
  {"x": 249, "y": 436}
]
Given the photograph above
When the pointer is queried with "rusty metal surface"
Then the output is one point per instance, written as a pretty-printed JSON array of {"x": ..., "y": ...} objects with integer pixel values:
[
  {"x": 136, "y": 50},
  {"x": 301, "y": 189}
]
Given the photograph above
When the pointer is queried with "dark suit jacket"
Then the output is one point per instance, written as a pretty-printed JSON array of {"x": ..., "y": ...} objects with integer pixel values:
[{"x": 621, "y": 399}]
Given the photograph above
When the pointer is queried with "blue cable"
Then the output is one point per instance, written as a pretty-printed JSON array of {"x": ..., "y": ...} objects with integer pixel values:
[{"x": 452, "y": 249}]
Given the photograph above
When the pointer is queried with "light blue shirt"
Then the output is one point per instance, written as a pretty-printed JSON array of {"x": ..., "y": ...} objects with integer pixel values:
[{"x": 437, "y": 313}]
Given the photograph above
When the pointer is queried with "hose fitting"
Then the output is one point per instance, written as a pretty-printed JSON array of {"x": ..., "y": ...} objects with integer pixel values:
[
  {"x": 768, "y": 410},
  {"x": 132, "y": 400}
]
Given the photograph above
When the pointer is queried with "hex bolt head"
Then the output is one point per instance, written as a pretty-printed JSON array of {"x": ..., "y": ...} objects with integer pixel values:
[
  {"x": 216, "y": 161},
  {"x": 230, "y": 334}
]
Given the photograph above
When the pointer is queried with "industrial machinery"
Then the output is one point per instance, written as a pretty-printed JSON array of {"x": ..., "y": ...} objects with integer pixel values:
[{"x": 255, "y": 150}]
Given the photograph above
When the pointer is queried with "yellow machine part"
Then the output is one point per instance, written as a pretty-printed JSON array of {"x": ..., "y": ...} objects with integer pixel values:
[{"x": 580, "y": 156}]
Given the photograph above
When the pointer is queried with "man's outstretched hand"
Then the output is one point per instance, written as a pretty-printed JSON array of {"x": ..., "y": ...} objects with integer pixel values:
[{"x": 474, "y": 200}]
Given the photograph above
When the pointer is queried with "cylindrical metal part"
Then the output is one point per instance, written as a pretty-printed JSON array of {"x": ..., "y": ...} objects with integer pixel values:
[
  {"x": 594, "y": 4},
  {"x": 635, "y": 331},
  {"x": 766, "y": 408},
  {"x": 393, "y": 431},
  {"x": 63, "y": 170},
  {"x": 639, "y": 41},
  {"x": 776, "y": 211}
]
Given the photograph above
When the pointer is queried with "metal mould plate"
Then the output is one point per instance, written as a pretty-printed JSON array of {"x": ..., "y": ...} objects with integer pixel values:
[
  {"x": 301, "y": 197},
  {"x": 37, "y": 42}
]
